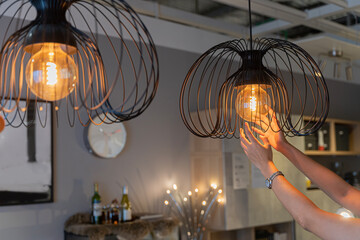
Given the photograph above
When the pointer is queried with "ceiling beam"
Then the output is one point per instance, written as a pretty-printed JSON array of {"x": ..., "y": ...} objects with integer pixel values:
[
  {"x": 271, "y": 27},
  {"x": 268, "y": 8},
  {"x": 325, "y": 11},
  {"x": 339, "y": 3},
  {"x": 290, "y": 17},
  {"x": 171, "y": 14}
]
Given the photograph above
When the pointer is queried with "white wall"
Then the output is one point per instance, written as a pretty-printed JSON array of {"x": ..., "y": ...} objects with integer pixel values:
[{"x": 155, "y": 156}]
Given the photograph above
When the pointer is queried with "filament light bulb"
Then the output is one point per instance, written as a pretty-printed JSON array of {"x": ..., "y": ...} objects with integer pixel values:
[
  {"x": 51, "y": 73},
  {"x": 251, "y": 100}
]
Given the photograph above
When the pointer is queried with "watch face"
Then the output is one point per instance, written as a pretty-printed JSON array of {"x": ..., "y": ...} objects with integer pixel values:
[
  {"x": 268, "y": 183},
  {"x": 106, "y": 140}
]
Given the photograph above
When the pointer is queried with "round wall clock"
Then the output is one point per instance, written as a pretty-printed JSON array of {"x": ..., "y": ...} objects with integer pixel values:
[{"x": 106, "y": 140}]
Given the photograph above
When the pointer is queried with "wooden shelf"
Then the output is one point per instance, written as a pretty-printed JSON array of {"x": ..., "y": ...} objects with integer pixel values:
[
  {"x": 353, "y": 139},
  {"x": 331, "y": 153}
]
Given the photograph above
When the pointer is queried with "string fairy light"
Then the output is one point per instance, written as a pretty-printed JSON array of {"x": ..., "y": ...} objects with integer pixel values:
[{"x": 193, "y": 210}]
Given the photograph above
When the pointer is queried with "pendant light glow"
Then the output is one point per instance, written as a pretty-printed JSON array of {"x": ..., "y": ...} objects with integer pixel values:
[
  {"x": 51, "y": 73},
  {"x": 239, "y": 81},
  {"x": 89, "y": 58},
  {"x": 251, "y": 102}
]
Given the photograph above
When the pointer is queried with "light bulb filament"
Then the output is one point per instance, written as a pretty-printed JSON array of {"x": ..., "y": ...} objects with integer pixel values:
[
  {"x": 253, "y": 103},
  {"x": 51, "y": 73}
]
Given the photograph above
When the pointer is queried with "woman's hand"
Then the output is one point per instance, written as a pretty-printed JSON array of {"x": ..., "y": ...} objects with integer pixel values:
[
  {"x": 273, "y": 133},
  {"x": 259, "y": 154}
]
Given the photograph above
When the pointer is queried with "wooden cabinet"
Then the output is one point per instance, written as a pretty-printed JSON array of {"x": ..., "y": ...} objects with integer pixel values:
[{"x": 341, "y": 138}]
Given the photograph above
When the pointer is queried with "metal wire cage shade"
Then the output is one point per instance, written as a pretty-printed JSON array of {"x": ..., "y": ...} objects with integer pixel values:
[
  {"x": 108, "y": 60},
  {"x": 237, "y": 81}
]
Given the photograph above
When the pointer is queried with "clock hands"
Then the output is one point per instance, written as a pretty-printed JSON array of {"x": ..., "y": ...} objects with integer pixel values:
[
  {"x": 106, "y": 140},
  {"x": 111, "y": 133}
]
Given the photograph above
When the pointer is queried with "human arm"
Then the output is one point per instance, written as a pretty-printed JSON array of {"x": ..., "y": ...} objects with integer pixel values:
[
  {"x": 333, "y": 185},
  {"x": 323, "y": 224}
]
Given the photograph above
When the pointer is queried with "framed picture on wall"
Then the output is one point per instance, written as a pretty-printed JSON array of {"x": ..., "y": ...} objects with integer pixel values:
[{"x": 26, "y": 156}]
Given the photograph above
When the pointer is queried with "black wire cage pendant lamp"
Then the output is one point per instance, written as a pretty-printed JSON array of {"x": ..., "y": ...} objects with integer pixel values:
[
  {"x": 240, "y": 81},
  {"x": 85, "y": 57}
]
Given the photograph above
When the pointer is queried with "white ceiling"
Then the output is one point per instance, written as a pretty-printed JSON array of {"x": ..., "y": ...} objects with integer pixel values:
[{"x": 324, "y": 23}]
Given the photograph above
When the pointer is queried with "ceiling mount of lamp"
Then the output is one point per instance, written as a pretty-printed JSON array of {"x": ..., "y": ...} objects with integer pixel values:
[
  {"x": 89, "y": 58},
  {"x": 239, "y": 81}
]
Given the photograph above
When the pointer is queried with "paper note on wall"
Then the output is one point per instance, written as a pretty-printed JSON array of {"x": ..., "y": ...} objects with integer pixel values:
[
  {"x": 240, "y": 167},
  {"x": 257, "y": 179}
]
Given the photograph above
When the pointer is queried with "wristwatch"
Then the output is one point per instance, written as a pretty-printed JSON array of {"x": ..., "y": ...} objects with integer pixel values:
[{"x": 268, "y": 181}]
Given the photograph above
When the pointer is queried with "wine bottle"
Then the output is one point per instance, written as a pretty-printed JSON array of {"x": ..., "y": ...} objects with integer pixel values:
[
  {"x": 96, "y": 206},
  {"x": 125, "y": 206}
]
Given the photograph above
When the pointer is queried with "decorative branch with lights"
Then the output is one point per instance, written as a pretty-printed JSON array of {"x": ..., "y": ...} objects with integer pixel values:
[{"x": 193, "y": 209}]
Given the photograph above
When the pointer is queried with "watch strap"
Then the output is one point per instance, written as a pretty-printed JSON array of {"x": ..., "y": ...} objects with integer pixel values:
[{"x": 272, "y": 177}]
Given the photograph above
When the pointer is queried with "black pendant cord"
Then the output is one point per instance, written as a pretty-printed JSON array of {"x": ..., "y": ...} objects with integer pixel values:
[{"x": 250, "y": 25}]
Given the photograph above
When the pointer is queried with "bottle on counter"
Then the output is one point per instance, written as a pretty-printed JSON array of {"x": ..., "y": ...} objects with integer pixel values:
[
  {"x": 96, "y": 214},
  {"x": 125, "y": 206}
]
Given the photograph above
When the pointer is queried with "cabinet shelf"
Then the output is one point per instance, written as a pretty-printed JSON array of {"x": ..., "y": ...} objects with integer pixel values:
[
  {"x": 341, "y": 139},
  {"x": 331, "y": 153}
]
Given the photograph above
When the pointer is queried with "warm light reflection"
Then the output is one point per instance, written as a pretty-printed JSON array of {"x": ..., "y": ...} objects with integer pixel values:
[
  {"x": 189, "y": 193},
  {"x": 168, "y": 191},
  {"x": 214, "y": 186},
  {"x": 345, "y": 213},
  {"x": 51, "y": 73},
  {"x": 174, "y": 187},
  {"x": 251, "y": 100},
  {"x": 166, "y": 202},
  {"x": 196, "y": 190},
  {"x": 203, "y": 203}
]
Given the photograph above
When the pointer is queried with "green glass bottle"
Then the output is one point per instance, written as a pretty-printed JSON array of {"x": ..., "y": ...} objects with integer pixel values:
[
  {"x": 96, "y": 206},
  {"x": 125, "y": 206}
]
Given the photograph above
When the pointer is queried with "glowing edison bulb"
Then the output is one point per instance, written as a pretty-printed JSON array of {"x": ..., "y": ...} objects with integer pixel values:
[
  {"x": 51, "y": 73},
  {"x": 251, "y": 100}
]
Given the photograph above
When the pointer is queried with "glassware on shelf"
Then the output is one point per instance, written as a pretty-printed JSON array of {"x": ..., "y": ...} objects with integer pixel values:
[
  {"x": 337, "y": 167},
  {"x": 356, "y": 181},
  {"x": 106, "y": 214},
  {"x": 114, "y": 215}
]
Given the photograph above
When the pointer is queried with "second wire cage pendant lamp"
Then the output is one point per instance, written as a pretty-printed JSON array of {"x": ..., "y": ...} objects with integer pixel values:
[
  {"x": 87, "y": 57},
  {"x": 238, "y": 81}
]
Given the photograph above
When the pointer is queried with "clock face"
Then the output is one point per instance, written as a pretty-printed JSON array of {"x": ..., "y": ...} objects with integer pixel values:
[{"x": 106, "y": 140}]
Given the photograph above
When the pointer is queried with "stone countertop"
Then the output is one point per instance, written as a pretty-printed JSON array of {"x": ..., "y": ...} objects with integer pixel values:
[{"x": 79, "y": 225}]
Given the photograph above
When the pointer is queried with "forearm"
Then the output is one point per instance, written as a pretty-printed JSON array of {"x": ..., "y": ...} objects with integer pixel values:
[
  {"x": 323, "y": 224},
  {"x": 297, "y": 204},
  {"x": 327, "y": 180}
]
